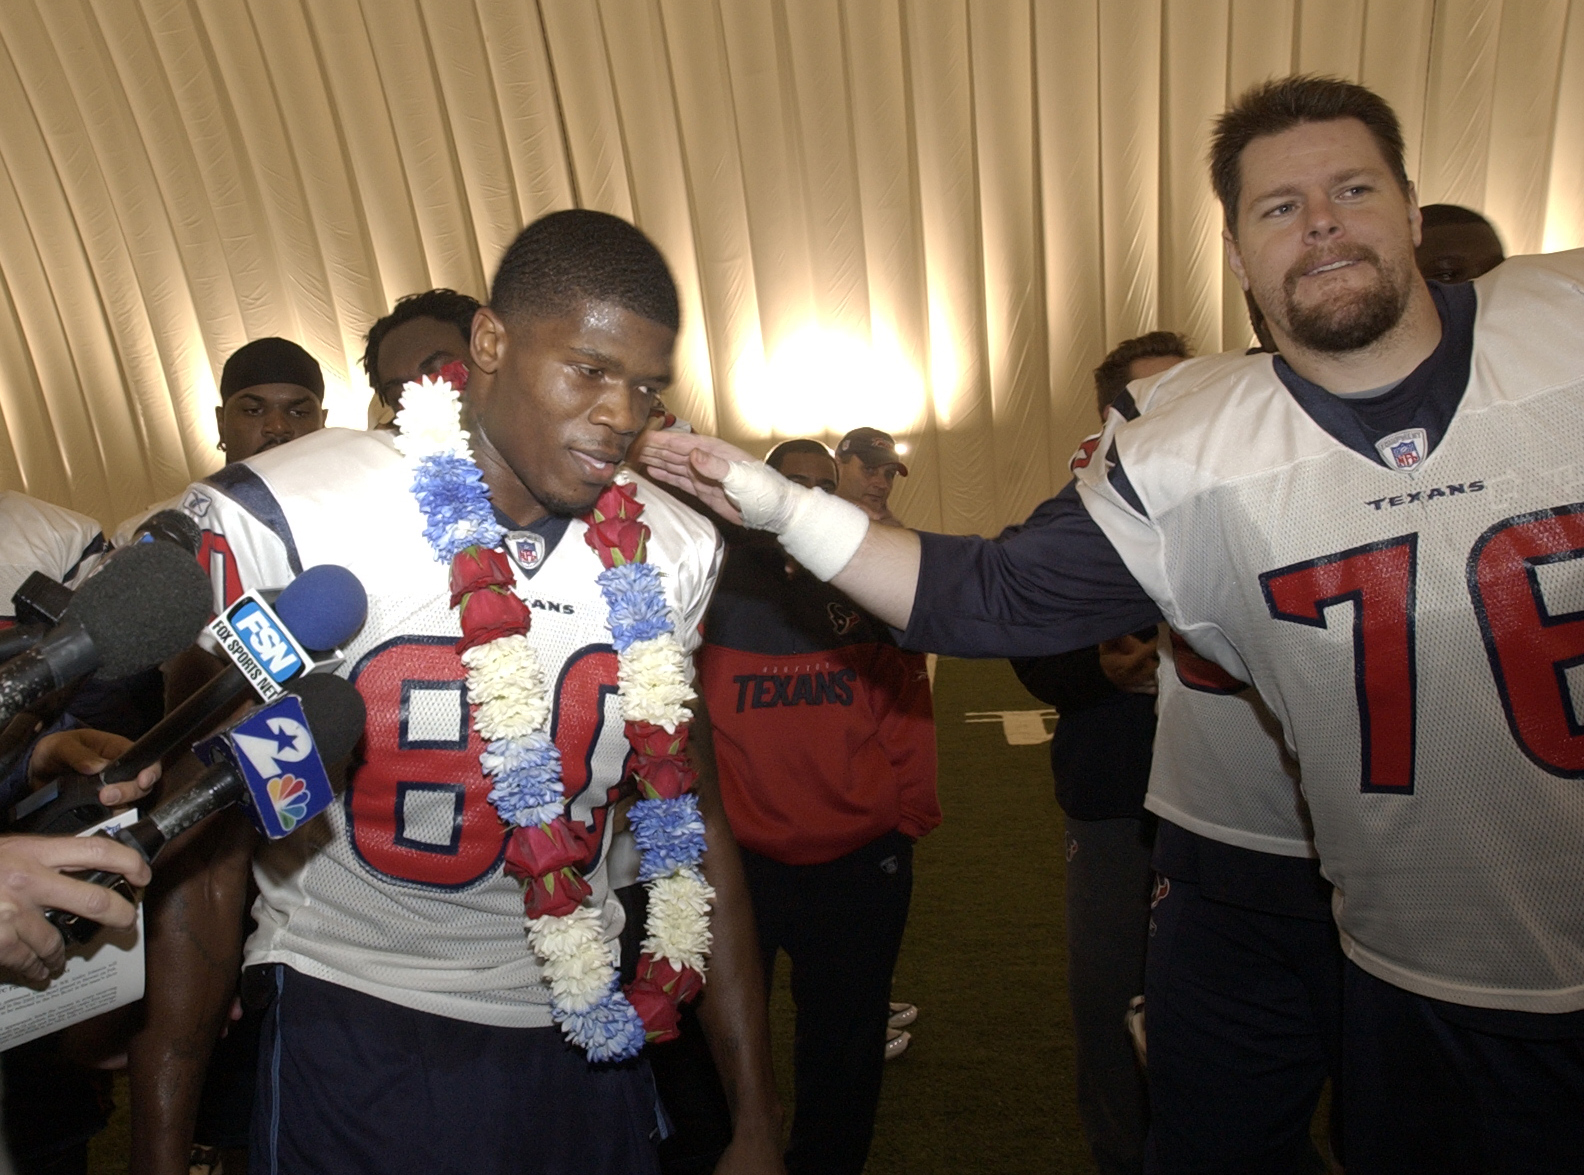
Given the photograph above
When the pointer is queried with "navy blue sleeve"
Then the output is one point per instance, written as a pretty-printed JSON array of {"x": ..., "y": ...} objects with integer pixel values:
[{"x": 1048, "y": 588}]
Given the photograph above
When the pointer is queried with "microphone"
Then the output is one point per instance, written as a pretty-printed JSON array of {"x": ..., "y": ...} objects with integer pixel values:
[
  {"x": 273, "y": 760},
  {"x": 41, "y": 603},
  {"x": 144, "y": 606},
  {"x": 319, "y": 610}
]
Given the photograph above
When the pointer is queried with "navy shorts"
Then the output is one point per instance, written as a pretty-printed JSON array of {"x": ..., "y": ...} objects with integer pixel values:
[
  {"x": 1446, "y": 1090},
  {"x": 1243, "y": 1016},
  {"x": 349, "y": 1083}
]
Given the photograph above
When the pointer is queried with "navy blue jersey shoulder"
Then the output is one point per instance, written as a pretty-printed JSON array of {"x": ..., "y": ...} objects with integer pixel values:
[
  {"x": 1047, "y": 588},
  {"x": 1427, "y": 398},
  {"x": 759, "y": 608},
  {"x": 247, "y": 489}
]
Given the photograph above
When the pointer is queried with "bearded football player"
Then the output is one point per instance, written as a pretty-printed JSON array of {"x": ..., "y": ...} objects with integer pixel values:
[{"x": 439, "y": 952}]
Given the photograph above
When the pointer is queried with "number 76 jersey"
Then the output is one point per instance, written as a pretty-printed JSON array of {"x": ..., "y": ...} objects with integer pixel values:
[
  {"x": 1417, "y": 627},
  {"x": 398, "y": 891}
]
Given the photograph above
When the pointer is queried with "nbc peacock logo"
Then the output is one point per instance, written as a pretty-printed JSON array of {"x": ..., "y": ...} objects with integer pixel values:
[{"x": 290, "y": 797}]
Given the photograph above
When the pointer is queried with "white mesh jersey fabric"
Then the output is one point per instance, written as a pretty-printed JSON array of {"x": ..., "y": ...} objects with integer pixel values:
[
  {"x": 1219, "y": 767},
  {"x": 38, "y": 536},
  {"x": 1416, "y": 632},
  {"x": 398, "y": 890}
]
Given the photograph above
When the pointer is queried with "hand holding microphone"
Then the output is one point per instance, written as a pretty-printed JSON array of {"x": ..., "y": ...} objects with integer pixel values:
[
  {"x": 272, "y": 760},
  {"x": 34, "y": 884}
]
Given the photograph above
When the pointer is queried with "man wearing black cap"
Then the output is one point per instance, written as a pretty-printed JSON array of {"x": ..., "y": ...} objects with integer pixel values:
[
  {"x": 271, "y": 392},
  {"x": 866, "y": 467}
]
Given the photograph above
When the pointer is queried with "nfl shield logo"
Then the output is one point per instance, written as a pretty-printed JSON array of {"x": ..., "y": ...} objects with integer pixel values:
[
  {"x": 526, "y": 548},
  {"x": 1403, "y": 450},
  {"x": 1405, "y": 454}
]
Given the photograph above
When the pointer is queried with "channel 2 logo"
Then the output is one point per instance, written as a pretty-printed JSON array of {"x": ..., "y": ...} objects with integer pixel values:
[{"x": 267, "y": 641}]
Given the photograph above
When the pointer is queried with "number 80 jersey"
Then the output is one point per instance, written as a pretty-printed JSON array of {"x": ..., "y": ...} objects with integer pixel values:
[
  {"x": 398, "y": 890},
  {"x": 1417, "y": 628}
]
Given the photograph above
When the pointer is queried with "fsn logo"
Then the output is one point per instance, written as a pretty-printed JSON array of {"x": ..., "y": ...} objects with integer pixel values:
[
  {"x": 289, "y": 795},
  {"x": 265, "y": 641}
]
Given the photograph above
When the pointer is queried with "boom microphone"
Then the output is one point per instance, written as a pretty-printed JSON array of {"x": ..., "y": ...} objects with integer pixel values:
[
  {"x": 273, "y": 759},
  {"x": 144, "y": 606},
  {"x": 321, "y": 609}
]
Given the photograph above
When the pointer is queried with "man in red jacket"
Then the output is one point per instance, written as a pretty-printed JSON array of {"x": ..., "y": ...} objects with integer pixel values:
[{"x": 825, "y": 742}]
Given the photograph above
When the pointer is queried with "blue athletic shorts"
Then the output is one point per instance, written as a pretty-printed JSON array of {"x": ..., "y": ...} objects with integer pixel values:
[{"x": 348, "y": 1083}]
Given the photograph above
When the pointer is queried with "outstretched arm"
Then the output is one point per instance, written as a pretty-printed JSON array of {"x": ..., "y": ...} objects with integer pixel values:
[{"x": 876, "y": 565}]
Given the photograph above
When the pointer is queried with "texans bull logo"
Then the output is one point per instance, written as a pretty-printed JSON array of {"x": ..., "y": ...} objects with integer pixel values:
[{"x": 843, "y": 619}]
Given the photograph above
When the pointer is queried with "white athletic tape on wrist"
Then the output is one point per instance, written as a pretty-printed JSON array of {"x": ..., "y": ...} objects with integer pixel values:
[{"x": 819, "y": 530}]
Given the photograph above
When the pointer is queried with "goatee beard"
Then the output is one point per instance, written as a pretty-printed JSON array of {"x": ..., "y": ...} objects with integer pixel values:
[{"x": 1360, "y": 320}]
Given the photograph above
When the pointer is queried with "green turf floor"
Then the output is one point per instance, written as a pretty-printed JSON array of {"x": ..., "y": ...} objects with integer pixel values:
[{"x": 988, "y": 1082}]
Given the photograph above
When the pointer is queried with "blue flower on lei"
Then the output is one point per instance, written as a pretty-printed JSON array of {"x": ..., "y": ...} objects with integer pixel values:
[
  {"x": 669, "y": 835},
  {"x": 607, "y": 1030},
  {"x": 636, "y": 603},
  {"x": 455, "y": 502},
  {"x": 527, "y": 775}
]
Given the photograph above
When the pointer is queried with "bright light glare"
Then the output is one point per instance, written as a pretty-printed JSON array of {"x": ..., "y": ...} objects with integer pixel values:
[{"x": 827, "y": 381}]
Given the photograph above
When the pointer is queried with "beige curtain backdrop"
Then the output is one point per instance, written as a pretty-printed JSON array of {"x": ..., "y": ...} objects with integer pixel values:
[{"x": 933, "y": 216}]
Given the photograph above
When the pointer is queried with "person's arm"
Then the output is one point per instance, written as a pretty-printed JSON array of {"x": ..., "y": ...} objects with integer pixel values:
[
  {"x": 1046, "y": 589},
  {"x": 732, "y": 1009},
  {"x": 195, "y": 915}
]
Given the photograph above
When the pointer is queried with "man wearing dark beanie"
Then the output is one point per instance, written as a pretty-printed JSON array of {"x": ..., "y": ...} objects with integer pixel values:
[{"x": 271, "y": 392}]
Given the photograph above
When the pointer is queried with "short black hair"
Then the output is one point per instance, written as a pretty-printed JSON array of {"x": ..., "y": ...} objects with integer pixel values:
[
  {"x": 1111, "y": 377},
  {"x": 1436, "y": 215},
  {"x": 442, "y": 305},
  {"x": 778, "y": 455},
  {"x": 1283, "y": 103},
  {"x": 566, "y": 257}
]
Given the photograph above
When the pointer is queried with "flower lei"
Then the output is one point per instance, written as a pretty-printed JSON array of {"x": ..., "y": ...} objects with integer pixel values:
[{"x": 511, "y": 712}]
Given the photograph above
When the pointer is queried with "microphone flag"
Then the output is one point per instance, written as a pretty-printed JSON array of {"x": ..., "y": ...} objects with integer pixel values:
[
  {"x": 262, "y": 647},
  {"x": 273, "y": 752}
]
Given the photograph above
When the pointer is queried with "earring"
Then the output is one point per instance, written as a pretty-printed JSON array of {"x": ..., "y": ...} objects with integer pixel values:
[{"x": 220, "y": 444}]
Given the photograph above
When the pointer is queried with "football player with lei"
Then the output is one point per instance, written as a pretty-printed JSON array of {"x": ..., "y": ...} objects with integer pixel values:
[
  {"x": 440, "y": 949},
  {"x": 1381, "y": 529}
]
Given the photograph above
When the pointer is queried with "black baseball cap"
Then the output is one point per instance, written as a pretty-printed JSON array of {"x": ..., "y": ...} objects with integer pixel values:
[{"x": 871, "y": 446}]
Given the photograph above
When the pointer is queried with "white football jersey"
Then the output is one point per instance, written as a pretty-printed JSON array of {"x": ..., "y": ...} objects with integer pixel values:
[
  {"x": 397, "y": 890},
  {"x": 39, "y": 536},
  {"x": 1219, "y": 767},
  {"x": 1417, "y": 629}
]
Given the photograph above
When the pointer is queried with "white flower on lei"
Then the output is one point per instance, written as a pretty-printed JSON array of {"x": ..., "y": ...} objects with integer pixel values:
[
  {"x": 652, "y": 676},
  {"x": 678, "y": 922},
  {"x": 577, "y": 963},
  {"x": 429, "y": 421},
  {"x": 505, "y": 682}
]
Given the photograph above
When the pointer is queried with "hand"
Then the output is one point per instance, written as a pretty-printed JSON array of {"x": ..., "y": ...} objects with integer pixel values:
[
  {"x": 31, "y": 879},
  {"x": 753, "y": 1152},
  {"x": 87, "y": 752},
  {"x": 1130, "y": 663},
  {"x": 690, "y": 462}
]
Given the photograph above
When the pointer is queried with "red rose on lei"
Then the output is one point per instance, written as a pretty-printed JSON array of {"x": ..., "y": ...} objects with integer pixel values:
[
  {"x": 555, "y": 894},
  {"x": 490, "y": 614},
  {"x": 679, "y": 983},
  {"x": 618, "y": 501},
  {"x": 656, "y": 742},
  {"x": 542, "y": 849},
  {"x": 617, "y": 540},
  {"x": 475, "y": 568},
  {"x": 660, "y": 1015},
  {"x": 665, "y": 779},
  {"x": 455, "y": 373}
]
